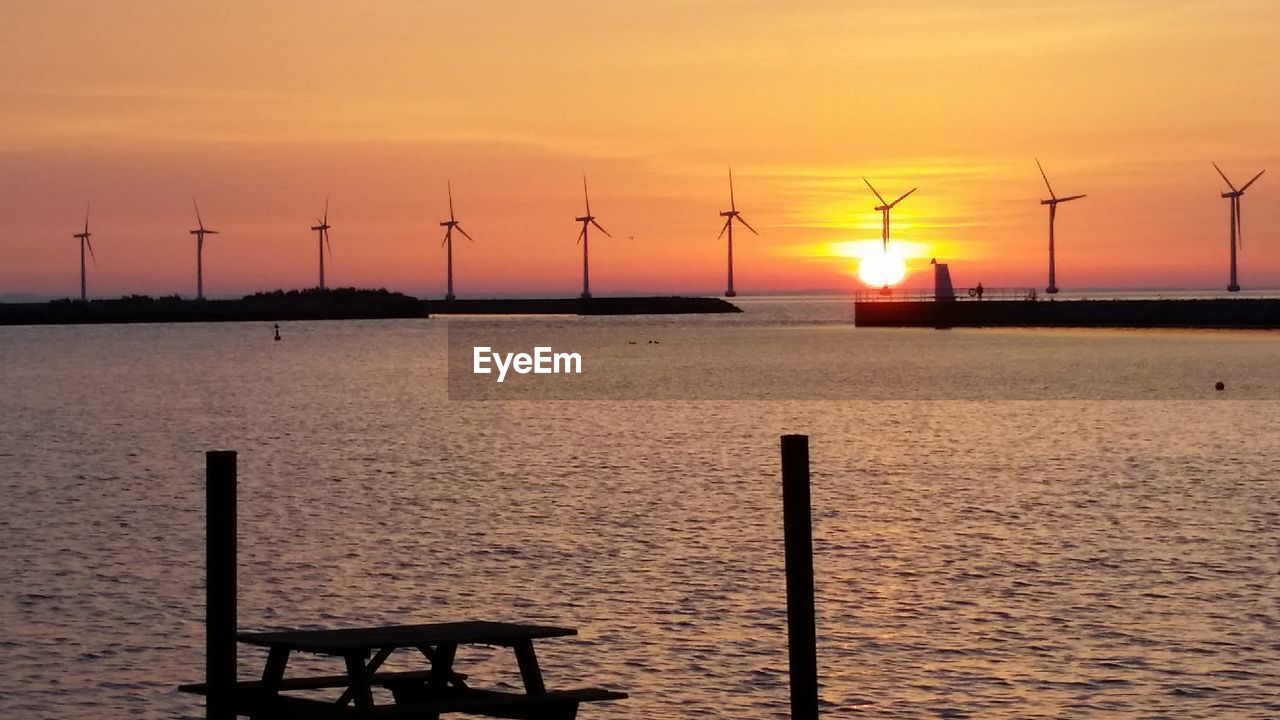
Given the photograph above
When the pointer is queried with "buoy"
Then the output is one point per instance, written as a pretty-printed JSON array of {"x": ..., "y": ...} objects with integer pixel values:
[
  {"x": 277, "y": 332},
  {"x": 1219, "y": 386}
]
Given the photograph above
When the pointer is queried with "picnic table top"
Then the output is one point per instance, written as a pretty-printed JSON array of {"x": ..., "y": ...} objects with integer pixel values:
[{"x": 348, "y": 640}]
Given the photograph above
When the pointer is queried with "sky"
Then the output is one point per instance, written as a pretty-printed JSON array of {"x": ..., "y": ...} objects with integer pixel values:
[{"x": 264, "y": 110}]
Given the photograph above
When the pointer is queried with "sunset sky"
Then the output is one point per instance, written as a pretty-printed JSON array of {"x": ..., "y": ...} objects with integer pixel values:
[{"x": 262, "y": 109}]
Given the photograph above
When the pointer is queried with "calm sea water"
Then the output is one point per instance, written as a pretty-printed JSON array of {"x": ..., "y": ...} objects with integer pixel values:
[{"x": 983, "y": 558}]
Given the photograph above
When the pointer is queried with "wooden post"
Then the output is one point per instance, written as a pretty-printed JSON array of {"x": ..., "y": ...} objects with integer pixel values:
[
  {"x": 798, "y": 532},
  {"x": 220, "y": 583}
]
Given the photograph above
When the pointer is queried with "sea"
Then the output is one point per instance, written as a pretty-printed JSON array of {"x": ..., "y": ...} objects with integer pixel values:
[{"x": 1008, "y": 523}]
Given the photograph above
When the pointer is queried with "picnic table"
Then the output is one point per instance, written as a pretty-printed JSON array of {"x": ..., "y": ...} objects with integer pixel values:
[{"x": 418, "y": 694}]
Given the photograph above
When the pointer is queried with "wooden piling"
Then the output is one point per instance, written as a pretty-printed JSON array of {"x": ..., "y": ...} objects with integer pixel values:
[
  {"x": 220, "y": 583},
  {"x": 797, "y": 524}
]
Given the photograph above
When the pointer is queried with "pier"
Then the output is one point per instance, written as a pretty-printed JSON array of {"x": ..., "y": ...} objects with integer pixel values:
[
  {"x": 946, "y": 307},
  {"x": 1013, "y": 307}
]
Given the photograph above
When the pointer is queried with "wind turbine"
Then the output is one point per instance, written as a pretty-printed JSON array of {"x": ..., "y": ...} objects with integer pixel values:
[
  {"x": 323, "y": 229},
  {"x": 1237, "y": 232},
  {"x": 449, "y": 226},
  {"x": 1052, "y": 202},
  {"x": 729, "y": 216},
  {"x": 884, "y": 209},
  {"x": 83, "y": 237},
  {"x": 200, "y": 232},
  {"x": 587, "y": 220}
]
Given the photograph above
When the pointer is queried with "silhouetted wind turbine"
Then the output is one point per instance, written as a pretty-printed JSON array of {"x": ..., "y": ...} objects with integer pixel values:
[
  {"x": 83, "y": 237},
  {"x": 323, "y": 229},
  {"x": 1052, "y": 202},
  {"x": 884, "y": 209},
  {"x": 729, "y": 216},
  {"x": 587, "y": 220},
  {"x": 200, "y": 232},
  {"x": 449, "y": 226},
  {"x": 1237, "y": 232}
]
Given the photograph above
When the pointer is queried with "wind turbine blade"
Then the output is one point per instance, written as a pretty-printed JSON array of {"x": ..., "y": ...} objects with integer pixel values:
[
  {"x": 744, "y": 222},
  {"x": 1070, "y": 197},
  {"x": 445, "y": 239},
  {"x": 873, "y": 189},
  {"x": 1224, "y": 177},
  {"x": 1046, "y": 179},
  {"x": 1246, "y": 187},
  {"x": 732, "y": 204},
  {"x": 325, "y": 221},
  {"x": 86, "y": 216},
  {"x": 585, "y": 197},
  {"x": 197, "y": 207},
  {"x": 449, "y": 185},
  {"x": 464, "y": 233},
  {"x": 724, "y": 228},
  {"x": 328, "y": 245},
  {"x": 903, "y": 196},
  {"x": 606, "y": 232},
  {"x": 90, "y": 244},
  {"x": 582, "y": 234}
]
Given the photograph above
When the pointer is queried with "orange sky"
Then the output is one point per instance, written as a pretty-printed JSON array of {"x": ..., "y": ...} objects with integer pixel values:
[{"x": 261, "y": 109}]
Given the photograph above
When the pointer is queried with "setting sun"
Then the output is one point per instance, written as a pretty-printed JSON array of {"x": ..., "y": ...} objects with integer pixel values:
[
  {"x": 881, "y": 269},
  {"x": 876, "y": 266}
]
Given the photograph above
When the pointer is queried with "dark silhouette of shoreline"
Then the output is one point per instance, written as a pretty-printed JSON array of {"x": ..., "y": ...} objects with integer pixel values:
[
  {"x": 331, "y": 304},
  {"x": 658, "y": 305}
]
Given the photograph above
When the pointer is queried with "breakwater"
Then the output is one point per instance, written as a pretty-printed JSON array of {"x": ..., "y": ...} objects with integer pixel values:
[
  {"x": 339, "y": 304},
  {"x": 1155, "y": 313},
  {"x": 671, "y": 305}
]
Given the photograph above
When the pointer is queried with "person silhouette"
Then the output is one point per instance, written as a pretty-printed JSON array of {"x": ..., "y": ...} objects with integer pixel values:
[
  {"x": 979, "y": 289},
  {"x": 277, "y": 332}
]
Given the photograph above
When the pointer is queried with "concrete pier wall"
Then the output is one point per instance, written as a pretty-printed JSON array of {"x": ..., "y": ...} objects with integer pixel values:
[{"x": 1241, "y": 313}]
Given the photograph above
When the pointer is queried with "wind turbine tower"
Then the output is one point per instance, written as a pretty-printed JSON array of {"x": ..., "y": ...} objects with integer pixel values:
[
  {"x": 83, "y": 237},
  {"x": 587, "y": 221},
  {"x": 1052, "y": 202},
  {"x": 200, "y": 232},
  {"x": 884, "y": 209},
  {"x": 729, "y": 216},
  {"x": 1237, "y": 234},
  {"x": 322, "y": 227},
  {"x": 450, "y": 225}
]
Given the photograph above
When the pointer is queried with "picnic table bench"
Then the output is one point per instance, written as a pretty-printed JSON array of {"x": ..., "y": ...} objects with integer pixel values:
[{"x": 421, "y": 694}]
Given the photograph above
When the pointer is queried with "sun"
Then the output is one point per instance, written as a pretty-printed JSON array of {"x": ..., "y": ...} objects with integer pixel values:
[
  {"x": 877, "y": 266},
  {"x": 881, "y": 269}
]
